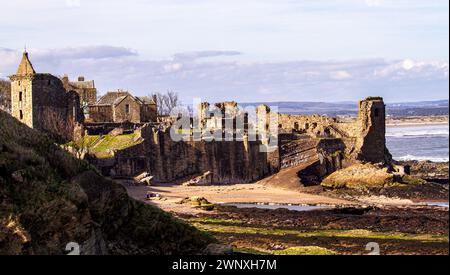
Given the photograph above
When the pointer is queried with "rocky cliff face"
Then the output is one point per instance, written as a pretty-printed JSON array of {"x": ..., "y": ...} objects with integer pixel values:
[
  {"x": 168, "y": 160},
  {"x": 49, "y": 199}
]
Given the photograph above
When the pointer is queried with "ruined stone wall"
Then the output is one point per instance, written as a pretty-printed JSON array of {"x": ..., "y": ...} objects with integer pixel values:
[
  {"x": 315, "y": 125},
  {"x": 317, "y": 145},
  {"x": 41, "y": 102},
  {"x": 55, "y": 110},
  {"x": 371, "y": 143},
  {"x": 87, "y": 95},
  {"x": 364, "y": 137},
  {"x": 85, "y": 90},
  {"x": 149, "y": 113},
  {"x": 168, "y": 161}
]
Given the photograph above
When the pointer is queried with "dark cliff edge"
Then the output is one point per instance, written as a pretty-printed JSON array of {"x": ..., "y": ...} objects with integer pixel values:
[{"x": 49, "y": 199}]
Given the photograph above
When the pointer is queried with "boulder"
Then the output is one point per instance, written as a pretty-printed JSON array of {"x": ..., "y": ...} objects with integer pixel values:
[{"x": 360, "y": 176}]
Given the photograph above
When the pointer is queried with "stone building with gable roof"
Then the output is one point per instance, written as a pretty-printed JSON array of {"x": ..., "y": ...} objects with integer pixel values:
[
  {"x": 120, "y": 106},
  {"x": 84, "y": 88}
]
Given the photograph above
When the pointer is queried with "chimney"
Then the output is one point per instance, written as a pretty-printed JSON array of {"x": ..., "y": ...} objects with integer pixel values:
[{"x": 81, "y": 78}]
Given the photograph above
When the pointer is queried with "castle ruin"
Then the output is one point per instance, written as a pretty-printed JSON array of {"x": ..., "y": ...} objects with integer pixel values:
[
  {"x": 42, "y": 102},
  {"x": 221, "y": 140},
  {"x": 312, "y": 147}
]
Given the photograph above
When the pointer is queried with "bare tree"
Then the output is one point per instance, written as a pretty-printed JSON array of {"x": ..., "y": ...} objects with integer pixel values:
[
  {"x": 57, "y": 123},
  {"x": 167, "y": 102}
]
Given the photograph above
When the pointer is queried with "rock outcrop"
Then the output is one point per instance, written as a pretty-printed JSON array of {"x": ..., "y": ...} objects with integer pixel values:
[{"x": 49, "y": 199}]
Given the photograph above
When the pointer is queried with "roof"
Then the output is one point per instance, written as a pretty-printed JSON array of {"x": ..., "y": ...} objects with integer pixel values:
[
  {"x": 119, "y": 99},
  {"x": 114, "y": 98},
  {"x": 25, "y": 67},
  {"x": 146, "y": 100},
  {"x": 110, "y": 97},
  {"x": 83, "y": 84}
]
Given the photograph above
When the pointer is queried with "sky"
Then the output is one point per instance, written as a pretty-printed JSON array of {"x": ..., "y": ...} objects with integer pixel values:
[{"x": 242, "y": 50}]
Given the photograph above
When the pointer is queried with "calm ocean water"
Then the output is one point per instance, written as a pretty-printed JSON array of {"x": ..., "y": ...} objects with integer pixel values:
[{"x": 428, "y": 142}]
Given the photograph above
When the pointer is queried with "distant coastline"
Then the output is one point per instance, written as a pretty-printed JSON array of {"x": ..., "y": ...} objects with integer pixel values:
[{"x": 417, "y": 121}]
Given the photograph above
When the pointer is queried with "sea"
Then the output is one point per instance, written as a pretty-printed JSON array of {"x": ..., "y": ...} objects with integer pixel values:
[{"x": 421, "y": 142}]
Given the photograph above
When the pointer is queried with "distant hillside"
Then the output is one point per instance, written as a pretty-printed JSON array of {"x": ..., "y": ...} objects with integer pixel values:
[
  {"x": 422, "y": 108},
  {"x": 48, "y": 199},
  {"x": 5, "y": 95}
]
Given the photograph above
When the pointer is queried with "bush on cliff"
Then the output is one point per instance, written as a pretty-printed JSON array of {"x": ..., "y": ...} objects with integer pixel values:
[{"x": 48, "y": 199}]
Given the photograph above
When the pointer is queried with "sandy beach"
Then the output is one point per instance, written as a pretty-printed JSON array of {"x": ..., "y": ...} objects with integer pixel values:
[{"x": 252, "y": 193}]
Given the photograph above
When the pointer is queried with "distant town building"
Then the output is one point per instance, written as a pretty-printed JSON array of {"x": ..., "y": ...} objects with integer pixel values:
[
  {"x": 120, "y": 106},
  {"x": 84, "y": 88}
]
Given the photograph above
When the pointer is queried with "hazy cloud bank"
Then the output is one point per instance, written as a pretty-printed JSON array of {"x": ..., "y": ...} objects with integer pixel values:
[{"x": 217, "y": 75}]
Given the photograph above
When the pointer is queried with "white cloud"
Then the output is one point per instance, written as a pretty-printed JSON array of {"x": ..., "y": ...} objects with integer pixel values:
[
  {"x": 411, "y": 69},
  {"x": 196, "y": 75},
  {"x": 340, "y": 75},
  {"x": 374, "y": 3},
  {"x": 73, "y": 3},
  {"x": 173, "y": 67}
]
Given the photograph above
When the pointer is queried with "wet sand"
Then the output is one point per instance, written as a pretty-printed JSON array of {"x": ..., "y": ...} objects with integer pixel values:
[
  {"x": 398, "y": 225},
  {"x": 239, "y": 193}
]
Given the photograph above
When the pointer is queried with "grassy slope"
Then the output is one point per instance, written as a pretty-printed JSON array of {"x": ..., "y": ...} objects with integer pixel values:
[
  {"x": 101, "y": 146},
  {"x": 48, "y": 198}
]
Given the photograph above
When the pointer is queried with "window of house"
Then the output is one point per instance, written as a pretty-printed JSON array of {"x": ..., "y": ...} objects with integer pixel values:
[
  {"x": 21, "y": 114},
  {"x": 127, "y": 108},
  {"x": 20, "y": 96}
]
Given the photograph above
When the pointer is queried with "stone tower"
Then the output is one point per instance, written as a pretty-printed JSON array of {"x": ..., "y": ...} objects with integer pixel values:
[
  {"x": 40, "y": 101},
  {"x": 22, "y": 92},
  {"x": 372, "y": 137}
]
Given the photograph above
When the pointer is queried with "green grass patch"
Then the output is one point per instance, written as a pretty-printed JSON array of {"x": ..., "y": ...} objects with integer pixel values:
[
  {"x": 213, "y": 221},
  {"x": 228, "y": 227},
  {"x": 115, "y": 143},
  {"x": 251, "y": 251},
  {"x": 305, "y": 250},
  {"x": 413, "y": 180},
  {"x": 102, "y": 146}
]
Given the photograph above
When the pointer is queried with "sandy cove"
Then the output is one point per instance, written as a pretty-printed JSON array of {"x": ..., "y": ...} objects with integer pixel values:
[{"x": 238, "y": 193}]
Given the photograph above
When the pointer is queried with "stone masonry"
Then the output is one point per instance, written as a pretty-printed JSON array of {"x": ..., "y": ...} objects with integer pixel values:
[
  {"x": 320, "y": 145},
  {"x": 41, "y": 102}
]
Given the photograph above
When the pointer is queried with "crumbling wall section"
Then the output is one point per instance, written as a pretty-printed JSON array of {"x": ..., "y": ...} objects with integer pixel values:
[{"x": 170, "y": 161}]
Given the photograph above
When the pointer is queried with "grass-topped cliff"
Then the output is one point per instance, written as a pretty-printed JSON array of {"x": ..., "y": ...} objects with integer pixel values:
[
  {"x": 48, "y": 199},
  {"x": 103, "y": 146}
]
